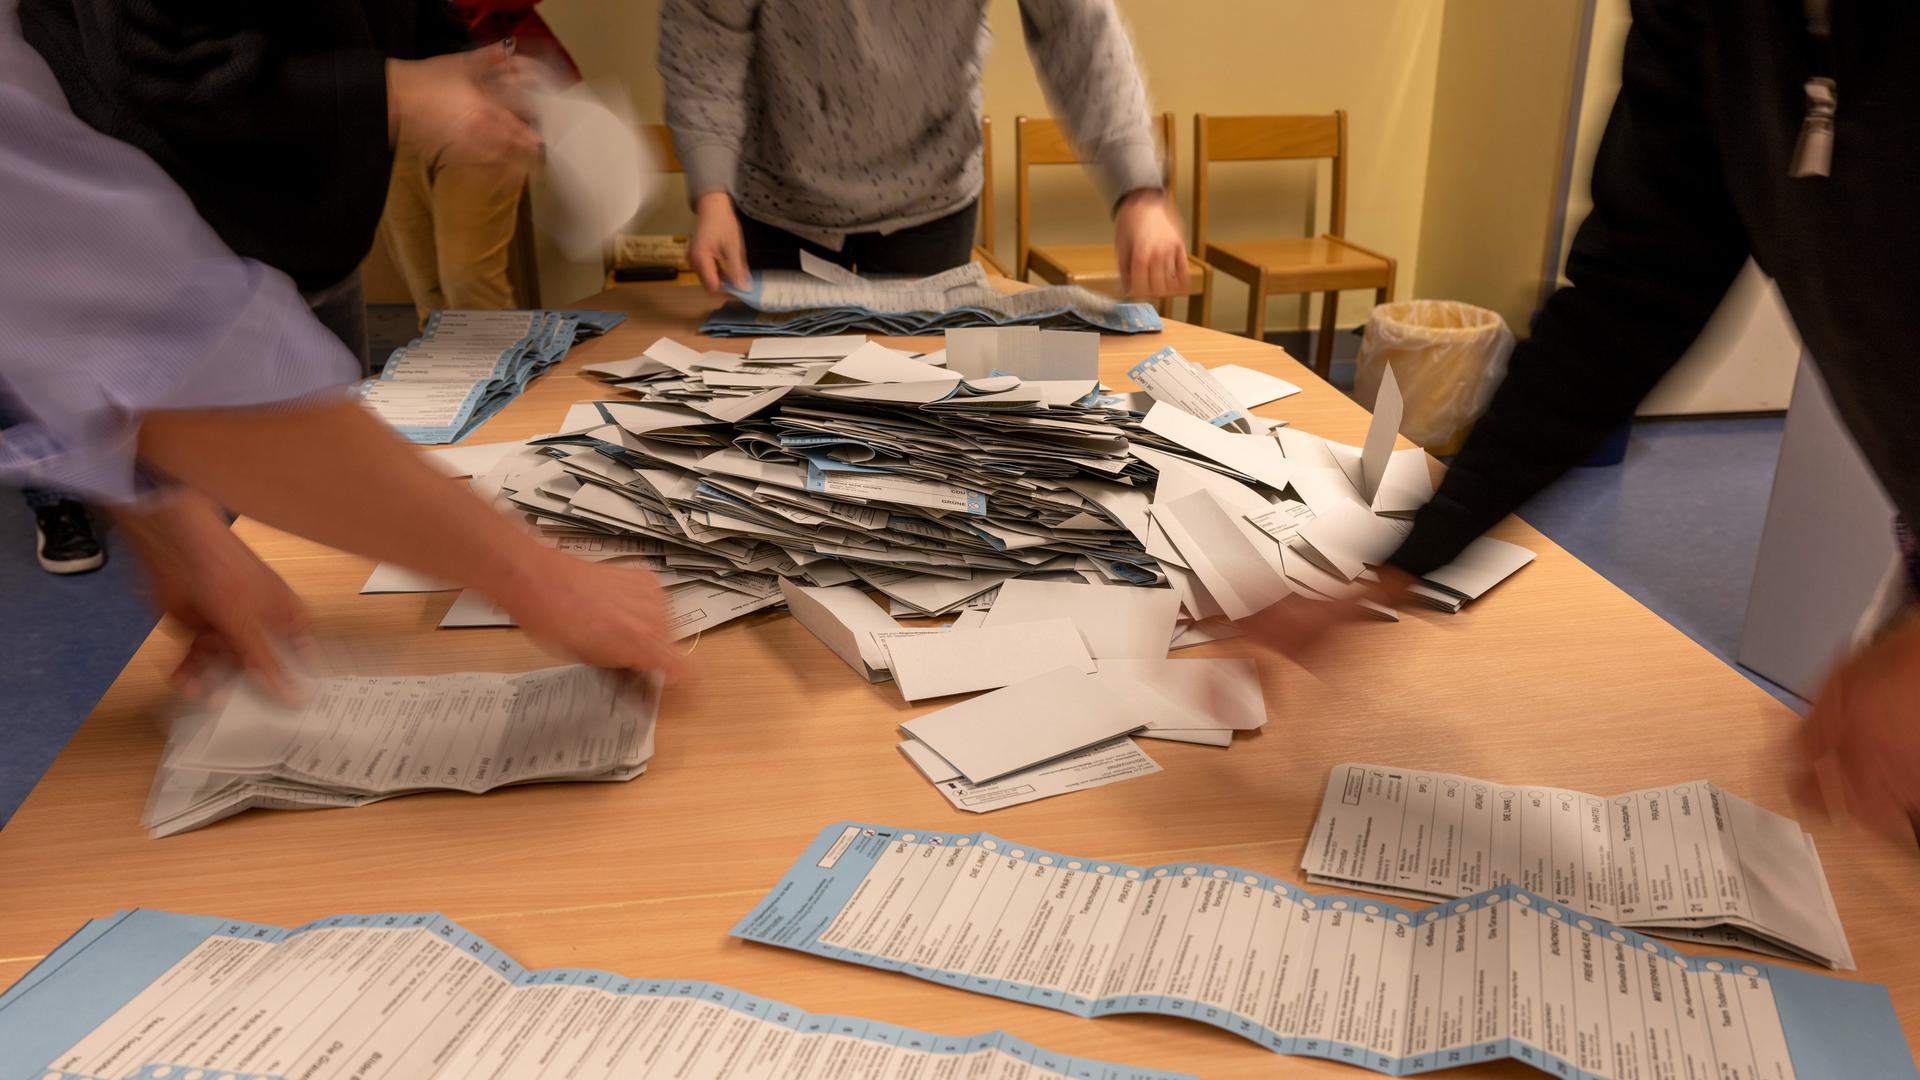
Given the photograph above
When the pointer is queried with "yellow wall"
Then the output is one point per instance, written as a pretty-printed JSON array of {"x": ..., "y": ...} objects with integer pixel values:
[
  {"x": 1374, "y": 58},
  {"x": 1502, "y": 97}
]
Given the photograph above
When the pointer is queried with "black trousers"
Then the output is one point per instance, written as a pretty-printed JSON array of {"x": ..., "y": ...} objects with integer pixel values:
[{"x": 941, "y": 244}]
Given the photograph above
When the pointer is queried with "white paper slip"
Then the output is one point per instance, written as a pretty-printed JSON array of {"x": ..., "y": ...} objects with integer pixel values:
[
  {"x": 845, "y": 620},
  {"x": 962, "y": 661},
  {"x": 471, "y": 609},
  {"x": 1096, "y": 766},
  {"x": 1255, "y": 456},
  {"x": 1197, "y": 736},
  {"x": 1687, "y": 855},
  {"x": 700, "y": 606},
  {"x": 1117, "y": 622},
  {"x": 1349, "y": 538},
  {"x": 1251, "y": 388},
  {"x": 904, "y": 490},
  {"x": 388, "y": 578},
  {"x": 1222, "y": 693},
  {"x": 1282, "y": 521},
  {"x": 875, "y": 363},
  {"x": 1485, "y": 563},
  {"x": 1237, "y": 575},
  {"x": 1031, "y": 722},
  {"x": 805, "y": 348},
  {"x": 1390, "y": 481},
  {"x": 1177, "y": 381},
  {"x": 470, "y": 459}
]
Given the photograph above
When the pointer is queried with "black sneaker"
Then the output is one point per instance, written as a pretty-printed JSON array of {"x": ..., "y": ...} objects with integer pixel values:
[{"x": 67, "y": 543}]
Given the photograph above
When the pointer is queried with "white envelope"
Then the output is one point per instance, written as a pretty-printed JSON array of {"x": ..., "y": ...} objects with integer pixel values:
[
  {"x": 1032, "y": 721},
  {"x": 961, "y": 661},
  {"x": 1117, "y": 621}
]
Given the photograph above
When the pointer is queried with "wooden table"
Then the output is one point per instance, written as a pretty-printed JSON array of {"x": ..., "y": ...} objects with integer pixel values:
[{"x": 1555, "y": 678}]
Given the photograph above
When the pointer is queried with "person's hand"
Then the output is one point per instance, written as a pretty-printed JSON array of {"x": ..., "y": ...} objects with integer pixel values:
[
  {"x": 607, "y": 615},
  {"x": 1865, "y": 728},
  {"x": 1295, "y": 625},
  {"x": 240, "y": 613},
  {"x": 461, "y": 107},
  {"x": 716, "y": 250},
  {"x": 1151, "y": 250}
]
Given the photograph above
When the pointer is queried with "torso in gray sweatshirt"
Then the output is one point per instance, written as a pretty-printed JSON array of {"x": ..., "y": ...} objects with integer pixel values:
[{"x": 829, "y": 117}]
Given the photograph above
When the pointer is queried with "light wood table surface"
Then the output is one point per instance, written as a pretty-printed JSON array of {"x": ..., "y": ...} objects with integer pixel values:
[{"x": 1555, "y": 678}]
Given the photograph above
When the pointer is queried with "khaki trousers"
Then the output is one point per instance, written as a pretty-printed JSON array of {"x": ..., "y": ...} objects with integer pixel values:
[{"x": 449, "y": 227}]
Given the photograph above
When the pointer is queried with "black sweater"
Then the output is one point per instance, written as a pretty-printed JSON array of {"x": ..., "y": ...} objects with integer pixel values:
[
  {"x": 270, "y": 114},
  {"x": 1691, "y": 178}
]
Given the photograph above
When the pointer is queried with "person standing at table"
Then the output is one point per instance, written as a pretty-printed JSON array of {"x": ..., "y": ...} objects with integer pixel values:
[
  {"x": 850, "y": 129},
  {"x": 151, "y": 369},
  {"x": 1785, "y": 132},
  {"x": 450, "y": 222},
  {"x": 277, "y": 120}
]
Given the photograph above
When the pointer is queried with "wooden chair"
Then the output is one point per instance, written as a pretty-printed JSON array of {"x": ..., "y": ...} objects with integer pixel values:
[
  {"x": 983, "y": 248},
  {"x": 659, "y": 139},
  {"x": 1302, "y": 264},
  {"x": 1040, "y": 141}
]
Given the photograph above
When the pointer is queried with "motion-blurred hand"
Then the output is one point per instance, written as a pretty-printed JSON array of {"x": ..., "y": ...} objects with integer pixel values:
[
  {"x": 1151, "y": 250},
  {"x": 239, "y": 611},
  {"x": 1865, "y": 727},
  {"x": 606, "y": 615},
  {"x": 716, "y": 250},
  {"x": 461, "y": 107},
  {"x": 1295, "y": 626}
]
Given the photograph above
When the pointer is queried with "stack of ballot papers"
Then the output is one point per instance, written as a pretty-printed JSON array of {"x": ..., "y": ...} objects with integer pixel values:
[
  {"x": 822, "y": 298},
  {"x": 151, "y": 995},
  {"x": 1689, "y": 861},
  {"x": 359, "y": 739},
  {"x": 467, "y": 365}
]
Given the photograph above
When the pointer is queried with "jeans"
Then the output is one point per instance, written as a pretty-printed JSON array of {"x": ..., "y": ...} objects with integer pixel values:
[{"x": 917, "y": 251}]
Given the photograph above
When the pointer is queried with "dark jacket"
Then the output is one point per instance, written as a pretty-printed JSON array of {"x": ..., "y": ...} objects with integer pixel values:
[
  {"x": 271, "y": 114},
  {"x": 1692, "y": 177}
]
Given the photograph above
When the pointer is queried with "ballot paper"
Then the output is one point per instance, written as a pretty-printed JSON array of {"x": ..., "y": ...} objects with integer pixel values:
[
  {"x": 1096, "y": 766},
  {"x": 847, "y": 621},
  {"x": 822, "y": 299},
  {"x": 1117, "y": 622},
  {"x": 1031, "y": 721},
  {"x": 467, "y": 365},
  {"x": 414, "y": 996},
  {"x": 962, "y": 661},
  {"x": 1185, "y": 385},
  {"x": 363, "y": 738},
  {"x": 1501, "y": 974},
  {"x": 1690, "y": 860}
]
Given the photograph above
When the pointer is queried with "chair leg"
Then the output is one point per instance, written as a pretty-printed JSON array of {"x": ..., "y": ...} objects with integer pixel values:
[
  {"x": 1257, "y": 309},
  {"x": 1203, "y": 304},
  {"x": 1323, "y": 349}
]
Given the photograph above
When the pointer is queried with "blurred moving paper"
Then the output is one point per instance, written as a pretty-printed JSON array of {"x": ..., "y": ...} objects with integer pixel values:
[{"x": 598, "y": 171}]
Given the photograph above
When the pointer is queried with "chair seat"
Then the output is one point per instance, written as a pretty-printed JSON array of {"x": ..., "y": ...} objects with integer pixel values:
[
  {"x": 1094, "y": 266},
  {"x": 1301, "y": 263}
]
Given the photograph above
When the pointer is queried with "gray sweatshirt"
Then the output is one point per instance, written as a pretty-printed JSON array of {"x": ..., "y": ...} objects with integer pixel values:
[{"x": 829, "y": 117}]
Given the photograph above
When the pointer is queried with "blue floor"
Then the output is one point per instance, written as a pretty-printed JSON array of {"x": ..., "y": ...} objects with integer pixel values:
[{"x": 1677, "y": 526}]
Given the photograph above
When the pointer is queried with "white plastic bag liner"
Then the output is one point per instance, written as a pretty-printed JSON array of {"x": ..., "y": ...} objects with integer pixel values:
[{"x": 1447, "y": 358}]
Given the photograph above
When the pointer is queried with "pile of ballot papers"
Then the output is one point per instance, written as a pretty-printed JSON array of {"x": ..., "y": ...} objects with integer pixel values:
[
  {"x": 822, "y": 298},
  {"x": 1070, "y": 535},
  {"x": 360, "y": 739},
  {"x": 467, "y": 365}
]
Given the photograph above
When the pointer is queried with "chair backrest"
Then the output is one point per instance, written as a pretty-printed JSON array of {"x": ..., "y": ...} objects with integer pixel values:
[
  {"x": 986, "y": 240},
  {"x": 1038, "y": 140},
  {"x": 1269, "y": 138}
]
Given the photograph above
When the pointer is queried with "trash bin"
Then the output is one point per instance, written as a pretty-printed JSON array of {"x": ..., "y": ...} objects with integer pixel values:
[{"x": 1447, "y": 357}]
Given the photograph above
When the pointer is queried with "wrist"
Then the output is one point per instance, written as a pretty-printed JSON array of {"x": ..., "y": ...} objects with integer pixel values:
[
  {"x": 1141, "y": 199},
  {"x": 713, "y": 202}
]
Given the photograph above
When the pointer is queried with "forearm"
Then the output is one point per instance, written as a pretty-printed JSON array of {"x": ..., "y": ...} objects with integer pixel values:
[
  {"x": 334, "y": 474},
  {"x": 1085, "y": 61},
  {"x": 705, "y": 50}
]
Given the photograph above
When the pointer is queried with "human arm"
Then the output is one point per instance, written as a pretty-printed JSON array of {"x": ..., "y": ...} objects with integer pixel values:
[
  {"x": 1647, "y": 269},
  {"x": 330, "y": 472},
  {"x": 1085, "y": 61},
  {"x": 705, "y": 51}
]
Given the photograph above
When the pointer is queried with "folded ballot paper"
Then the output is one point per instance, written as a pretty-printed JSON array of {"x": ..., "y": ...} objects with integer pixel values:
[
  {"x": 1689, "y": 861},
  {"x": 1502, "y": 973},
  {"x": 467, "y": 365},
  {"x": 822, "y": 298},
  {"x": 152, "y": 995},
  {"x": 359, "y": 739}
]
